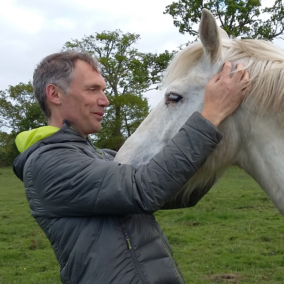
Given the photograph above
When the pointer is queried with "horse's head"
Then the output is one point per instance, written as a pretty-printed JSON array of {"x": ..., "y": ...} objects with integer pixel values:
[
  {"x": 183, "y": 88},
  {"x": 250, "y": 139}
]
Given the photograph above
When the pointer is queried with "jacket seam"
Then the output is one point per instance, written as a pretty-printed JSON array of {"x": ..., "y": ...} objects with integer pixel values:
[
  {"x": 100, "y": 188},
  {"x": 185, "y": 157},
  {"x": 202, "y": 133},
  {"x": 166, "y": 172}
]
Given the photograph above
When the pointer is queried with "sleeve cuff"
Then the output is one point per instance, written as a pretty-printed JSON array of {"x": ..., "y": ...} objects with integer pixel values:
[{"x": 204, "y": 126}]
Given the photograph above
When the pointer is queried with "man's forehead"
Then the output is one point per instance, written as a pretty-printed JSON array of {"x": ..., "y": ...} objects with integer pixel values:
[
  {"x": 86, "y": 70},
  {"x": 84, "y": 64}
]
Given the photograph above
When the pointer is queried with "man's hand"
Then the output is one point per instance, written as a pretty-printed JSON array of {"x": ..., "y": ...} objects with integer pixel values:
[{"x": 224, "y": 93}]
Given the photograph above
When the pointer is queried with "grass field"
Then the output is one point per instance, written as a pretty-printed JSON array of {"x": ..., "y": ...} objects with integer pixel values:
[{"x": 234, "y": 235}]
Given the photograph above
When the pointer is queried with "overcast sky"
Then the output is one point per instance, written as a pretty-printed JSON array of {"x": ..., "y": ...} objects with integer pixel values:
[{"x": 32, "y": 29}]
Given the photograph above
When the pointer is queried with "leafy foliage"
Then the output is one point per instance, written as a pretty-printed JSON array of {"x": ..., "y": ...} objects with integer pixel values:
[
  {"x": 128, "y": 74},
  {"x": 8, "y": 149},
  {"x": 239, "y": 18},
  {"x": 18, "y": 112}
]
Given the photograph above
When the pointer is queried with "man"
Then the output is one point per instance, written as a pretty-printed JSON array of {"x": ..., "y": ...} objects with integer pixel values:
[{"x": 97, "y": 213}]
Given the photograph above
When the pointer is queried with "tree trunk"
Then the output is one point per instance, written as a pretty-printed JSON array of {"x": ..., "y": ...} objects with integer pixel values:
[{"x": 118, "y": 138}]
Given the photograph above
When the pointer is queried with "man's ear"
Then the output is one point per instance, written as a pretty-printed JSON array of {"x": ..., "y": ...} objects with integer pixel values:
[{"x": 53, "y": 94}]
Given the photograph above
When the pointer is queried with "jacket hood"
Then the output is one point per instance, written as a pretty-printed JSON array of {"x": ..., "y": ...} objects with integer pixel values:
[
  {"x": 27, "y": 138},
  {"x": 29, "y": 141}
]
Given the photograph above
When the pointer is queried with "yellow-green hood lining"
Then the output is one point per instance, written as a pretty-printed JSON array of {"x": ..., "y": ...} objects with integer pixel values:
[{"x": 26, "y": 139}]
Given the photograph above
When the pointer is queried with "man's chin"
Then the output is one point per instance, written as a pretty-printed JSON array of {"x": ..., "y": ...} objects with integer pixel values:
[{"x": 96, "y": 129}]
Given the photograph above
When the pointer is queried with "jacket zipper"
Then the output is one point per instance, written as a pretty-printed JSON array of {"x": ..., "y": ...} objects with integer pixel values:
[
  {"x": 127, "y": 240},
  {"x": 171, "y": 257},
  {"x": 133, "y": 255},
  {"x": 95, "y": 148}
]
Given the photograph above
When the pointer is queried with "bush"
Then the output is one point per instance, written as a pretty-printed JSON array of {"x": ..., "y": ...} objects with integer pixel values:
[{"x": 7, "y": 157}]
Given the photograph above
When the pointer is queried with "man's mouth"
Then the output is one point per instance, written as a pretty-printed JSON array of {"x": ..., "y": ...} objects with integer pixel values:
[{"x": 99, "y": 114}]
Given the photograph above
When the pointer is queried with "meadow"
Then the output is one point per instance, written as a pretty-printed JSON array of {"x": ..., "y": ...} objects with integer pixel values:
[{"x": 234, "y": 235}]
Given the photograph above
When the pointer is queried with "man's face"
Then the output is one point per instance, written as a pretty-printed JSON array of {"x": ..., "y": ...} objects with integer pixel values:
[{"x": 84, "y": 105}]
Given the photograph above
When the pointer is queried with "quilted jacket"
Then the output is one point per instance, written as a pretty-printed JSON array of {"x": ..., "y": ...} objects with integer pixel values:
[{"x": 98, "y": 213}]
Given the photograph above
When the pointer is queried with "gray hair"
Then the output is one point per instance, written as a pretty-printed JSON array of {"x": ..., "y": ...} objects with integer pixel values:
[{"x": 57, "y": 69}]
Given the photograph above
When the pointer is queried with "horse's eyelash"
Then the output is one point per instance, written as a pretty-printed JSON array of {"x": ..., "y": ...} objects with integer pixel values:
[{"x": 172, "y": 98}]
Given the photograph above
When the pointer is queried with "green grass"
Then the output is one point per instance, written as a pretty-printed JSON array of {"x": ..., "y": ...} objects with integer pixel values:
[
  {"x": 26, "y": 255},
  {"x": 234, "y": 235},
  {"x": 235, "y": 232}
]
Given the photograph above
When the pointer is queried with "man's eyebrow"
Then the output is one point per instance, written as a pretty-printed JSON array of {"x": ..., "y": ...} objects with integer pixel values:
[{"x": 95, "y": 86}]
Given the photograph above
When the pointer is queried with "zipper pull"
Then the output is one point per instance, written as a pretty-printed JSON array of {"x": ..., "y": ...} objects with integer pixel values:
[
  {"x": 129, "y": 244},
  {"x": 128, "y": 241}
]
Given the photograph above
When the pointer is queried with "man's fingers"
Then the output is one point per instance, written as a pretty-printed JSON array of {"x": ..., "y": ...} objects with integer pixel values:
[
  {"x": 247, "y": 84},
  {"x": 239, "y": 73},
  {"x": 225, "y": 73},
  {"x": 246, "y": 76},
  {"x": 227, "y": 68},
  {"x": 215, "y": 78},
  {"x": 245, "y": 79}
]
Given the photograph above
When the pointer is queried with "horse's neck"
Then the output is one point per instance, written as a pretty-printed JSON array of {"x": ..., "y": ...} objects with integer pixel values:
[{"x": 262, "y": 156}]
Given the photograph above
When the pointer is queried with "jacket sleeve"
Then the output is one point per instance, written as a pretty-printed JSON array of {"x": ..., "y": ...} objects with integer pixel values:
[{"x": 62, "y": 181}]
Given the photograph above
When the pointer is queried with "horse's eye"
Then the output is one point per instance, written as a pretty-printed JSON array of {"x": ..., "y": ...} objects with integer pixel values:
[{"x": 173, "y": 98}]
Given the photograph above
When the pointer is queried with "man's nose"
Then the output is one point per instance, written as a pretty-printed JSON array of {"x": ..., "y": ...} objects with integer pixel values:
[{"x": 103, "y": 100}]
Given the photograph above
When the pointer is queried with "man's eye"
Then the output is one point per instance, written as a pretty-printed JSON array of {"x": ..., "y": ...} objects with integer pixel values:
[{"x": 173, "y": 98}]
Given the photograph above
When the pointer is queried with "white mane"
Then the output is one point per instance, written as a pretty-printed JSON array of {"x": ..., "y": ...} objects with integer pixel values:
[{"x": 264, "y": 61}]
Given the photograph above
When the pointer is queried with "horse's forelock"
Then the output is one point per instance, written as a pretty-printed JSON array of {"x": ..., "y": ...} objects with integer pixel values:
[
  {"x": 182, "y": 62},
  {"x": 265, "y": 63}
]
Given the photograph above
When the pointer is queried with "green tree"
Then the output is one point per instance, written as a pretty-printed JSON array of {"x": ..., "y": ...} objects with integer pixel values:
[
  {"x": 8, "y": 149},
  {"x": 18, "y": 112},
  {"x": 239, "y": 18},
  {"x": 128, "y": 74}
]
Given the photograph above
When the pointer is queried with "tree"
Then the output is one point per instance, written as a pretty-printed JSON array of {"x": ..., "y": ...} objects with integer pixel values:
[
  {"x": 8, "y": 149},
  {"x": 239, "y": 18},
  {"x": 128, "y": 74},
  {"x": 18, "y": 112}
]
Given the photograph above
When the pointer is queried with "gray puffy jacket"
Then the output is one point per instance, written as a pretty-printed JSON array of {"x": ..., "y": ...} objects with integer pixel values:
[{"x": 97, "y": 213}]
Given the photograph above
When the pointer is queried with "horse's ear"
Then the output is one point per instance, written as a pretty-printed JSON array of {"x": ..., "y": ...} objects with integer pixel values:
[
  {"x": 223, "y": 34},
  {"x": 210, "y": 36}
]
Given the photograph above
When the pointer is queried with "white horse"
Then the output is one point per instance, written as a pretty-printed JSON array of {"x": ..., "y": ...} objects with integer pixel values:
[{"x": 253, "y": 135}]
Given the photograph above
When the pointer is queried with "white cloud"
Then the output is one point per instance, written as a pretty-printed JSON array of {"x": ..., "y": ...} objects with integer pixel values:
[
  {"x": 20, "y": 19},
  {"x": 32, "y": 29}
]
